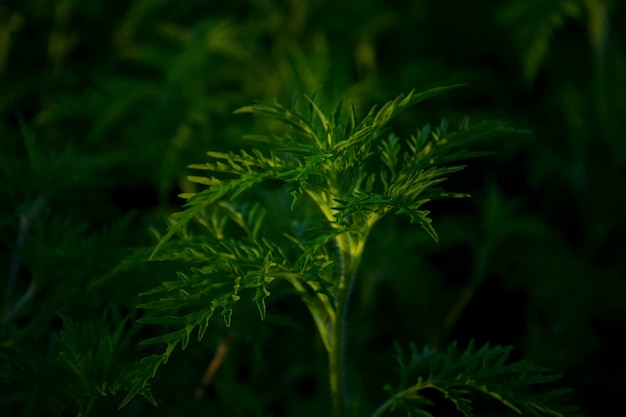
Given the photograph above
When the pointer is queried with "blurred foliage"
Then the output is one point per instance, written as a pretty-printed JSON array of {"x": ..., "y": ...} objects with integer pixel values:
[{"x": 104, "y": 105}]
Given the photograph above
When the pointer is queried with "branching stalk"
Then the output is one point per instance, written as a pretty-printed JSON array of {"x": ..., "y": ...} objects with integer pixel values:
[
  {"x": 319, "y": 306},
  {"x": 323, "y": 158},
  {"x": 406, "y": 393},
  {"x": 350, "y": 250}
]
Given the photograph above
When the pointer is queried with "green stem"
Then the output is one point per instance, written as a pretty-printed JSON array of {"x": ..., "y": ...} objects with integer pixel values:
[
  {"x": 350, "y": 246},
  {"x": 405, "y": 393},
  {"x": 384, "y": 407},
  {"x": 337, "y": 353},
  {"x": 319, "y": 306},
  {"x": 350, "y": 250}
]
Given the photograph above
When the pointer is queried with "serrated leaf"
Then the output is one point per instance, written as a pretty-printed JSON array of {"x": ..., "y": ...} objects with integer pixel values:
[
  {"x": 173, "y": 337},
  {"x": 455, "y": 374},
  {"x": 421, "y": 217},
  {"x": 259, "y": 298},
  {"x": 148, "y": 368},
  {"x": 203, "y": 180},
  {"x": 332, "y": 159}
]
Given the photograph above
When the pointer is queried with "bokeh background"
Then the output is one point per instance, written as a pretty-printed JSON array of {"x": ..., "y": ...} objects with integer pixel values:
[{"x": 104, "y": 104}]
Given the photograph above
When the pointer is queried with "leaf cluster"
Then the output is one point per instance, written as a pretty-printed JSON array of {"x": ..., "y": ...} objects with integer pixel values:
[
  {"x": 104, "y": 104},
  {"x": 455, "y": 373},
  {"x": 334, "y": 159},
  {"x": 87, "y": 360},
  {"x": 345, "y": 169},
  {"x": 231, "y": 259}
]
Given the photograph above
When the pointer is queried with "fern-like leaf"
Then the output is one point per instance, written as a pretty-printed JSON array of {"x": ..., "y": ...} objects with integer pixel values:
[
  {"x": 323, "y": 156},
  {"x": 456, "y": 373},
  {"x": 409, "y": 178},
  {"x": 229, "y": 258}
]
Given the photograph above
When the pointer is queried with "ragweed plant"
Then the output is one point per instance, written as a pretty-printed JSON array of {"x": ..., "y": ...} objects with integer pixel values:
[{"x": 341, "y": 176}]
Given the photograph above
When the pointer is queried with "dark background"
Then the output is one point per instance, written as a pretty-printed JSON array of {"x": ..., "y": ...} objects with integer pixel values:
[{"x": 104, "y": 104}]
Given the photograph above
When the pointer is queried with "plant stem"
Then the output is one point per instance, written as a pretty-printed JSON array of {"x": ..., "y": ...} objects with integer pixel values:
[
  {"x": 337, "y": 352},
  {"x": 350, "y": 245},
  {"x": 350, "y": 250},
  {"x": 405, "y": 393},
  {"x": 25, "y": 224},
  {"x": 319, "y": 306},
  {"x": 380, "y": 410}
]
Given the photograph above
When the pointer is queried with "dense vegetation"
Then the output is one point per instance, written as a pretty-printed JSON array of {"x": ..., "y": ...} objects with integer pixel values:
[{"x": 105, "y": 105}]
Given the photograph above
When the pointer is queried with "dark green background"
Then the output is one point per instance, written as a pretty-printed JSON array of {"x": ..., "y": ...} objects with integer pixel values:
[{"x": 104, "y": 104}]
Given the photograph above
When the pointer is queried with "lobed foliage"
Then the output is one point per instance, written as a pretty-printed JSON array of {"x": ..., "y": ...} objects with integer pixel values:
[
  {"x": 104, "y": 106},
  {"x": 324, "y": 157},
  {"x": 485, "y": 370}
]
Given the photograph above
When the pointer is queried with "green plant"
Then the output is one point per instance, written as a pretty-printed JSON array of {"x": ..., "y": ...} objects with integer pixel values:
[{"x": 298, "y": 210}]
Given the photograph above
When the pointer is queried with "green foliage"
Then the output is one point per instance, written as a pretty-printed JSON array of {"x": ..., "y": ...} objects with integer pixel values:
[
  {"x": 321, "y": 157},
  {"x": 327, "y": 158},
  {"x": 87, "y": 361},
  {"x": 105, "y": 105},
  {"x": 535, "y": 23},
  {"x": 486, "y": 370}
]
